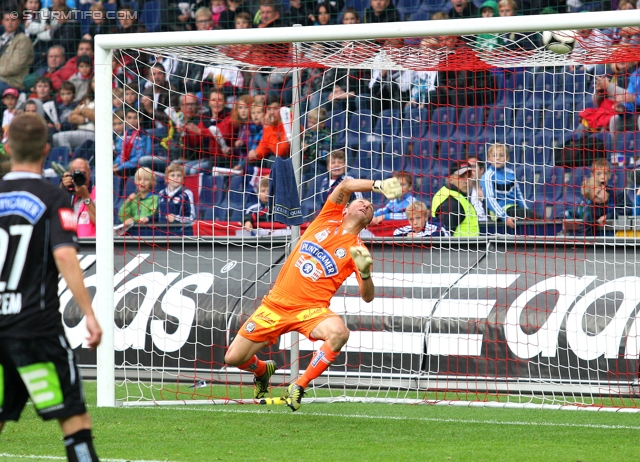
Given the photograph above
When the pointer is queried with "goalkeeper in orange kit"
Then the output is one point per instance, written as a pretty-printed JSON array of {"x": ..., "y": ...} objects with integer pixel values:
[{"x": 327, "y": 253}]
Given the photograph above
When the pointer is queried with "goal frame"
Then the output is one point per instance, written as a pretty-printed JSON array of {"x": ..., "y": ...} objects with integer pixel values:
[{"x": 105, "y": 44}]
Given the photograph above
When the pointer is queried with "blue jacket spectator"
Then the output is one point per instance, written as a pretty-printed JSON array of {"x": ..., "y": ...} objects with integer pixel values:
[{"x": 131, "y": 145}]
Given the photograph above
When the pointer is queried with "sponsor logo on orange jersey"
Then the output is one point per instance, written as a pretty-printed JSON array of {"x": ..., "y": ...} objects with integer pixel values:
[
  {"x": 310, "y": 314},
  {"x": 266, "y": 318}
]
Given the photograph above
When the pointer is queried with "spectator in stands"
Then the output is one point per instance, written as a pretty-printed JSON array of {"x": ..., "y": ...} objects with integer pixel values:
[
  {"x": 100, "y": 22},
  {"x": 324, "y": 15},
  {"x": 316, "y": 142},
  {"x": 82, "y": 196},
  {"x": 217, "y": 8},
  {"x": 269, "y": 14},
  {"x": 256, "y": 112},
  {"x": 227, "y": 76},
  {"x": 133, "y": 145},
  {"x": 9, "y": 100},
  {"x": 300, "y": 12},
  {"x": 220, "y": 129},
  {"x": 33, "y": 21},
  {"x": 85, "y": 48},
  {"x": 395, "y": 208},
  {"x": 635, "y": 184},
  {"x": 505, "y": 200},
  {"x": 65, "y": 30},
  {"x": 451, "y": 204},
  {"x": 176, "y": 203},
  {"x": 16, "y": 53},
  {"x": 33, "y": 106},
  {"x": 476, "y": 196},
  {"x": 228, "y": 16},
  {"x": 128, "y": 21},
  {"x": 117, "y": 98},
  {"x": 336, "y": 174},
  {"x": 140, "y": 206},
  {"x": 82, "y": 79},
  {"x": 274, "y": 140},
  {"x": 260, "y": 212},
  {"x": 626, "y": 105},
  {"x": 204, "y": 18},
  {"x": 57, "y": 112},
  {"x": 507, "y": 8},
  {"x": 350, "y": 16},
  {"x": 601, "y": 172},
  {"x": 598, "y": 206},
  {"x": 460, "y": 9},
  {"x": 243, "y": 20},
  {"x": 157, "y": 91},
  {"x": 131, "y": 94},
  {"x": 44, "y": 90},
  {"x": 381, "y": 11},
  {"x": 239, "y": 126},
  {"x": 610, "y": 86},
  {"x": 489, "y": 9},
  {"x": 390, "y": 89},
  {"x": 55, "y": 61},
  {"x": 153, "y": 120},
  {"x": 191, "y": 132},
  {"x": 83, "y": 117},
  {"x": 421, "y": 223},
  {"x": 423, "y": 86},
  {"x": 590, "y": 39}
]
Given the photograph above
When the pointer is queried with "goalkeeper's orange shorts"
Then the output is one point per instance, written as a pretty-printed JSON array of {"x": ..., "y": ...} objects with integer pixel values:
[{"x": 268, "y": 323}]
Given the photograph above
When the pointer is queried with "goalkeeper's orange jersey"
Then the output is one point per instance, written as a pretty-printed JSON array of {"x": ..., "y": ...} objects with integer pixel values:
[{"x": 318, "y": 265}]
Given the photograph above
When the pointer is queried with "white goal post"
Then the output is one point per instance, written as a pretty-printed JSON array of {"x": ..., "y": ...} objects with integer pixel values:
[{"x": 106, "y": 44}]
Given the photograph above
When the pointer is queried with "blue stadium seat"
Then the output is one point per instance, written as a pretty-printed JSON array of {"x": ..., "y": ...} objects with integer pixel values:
[
  {"x": 359, "y": 5},
  {"x": 422, "y": 152},
  {"x": 451, "y": 150},
  {"x": 85, "y": 17},
  {"x": 337, "y": 124},
  {"x": 416, "y": 113},
  {"x": 442, "y": 125},
  {"x": 516, "y": 92},
  {"x": 546, "y": 86},
  {"x": 151, "y": 15},
  {"x": 211, "y": 193},
  {"x": 407, "y": 7},
  {"x": 433, "y": 6},
  {"x": 477, "y": 150},
  {"x": 498, "y": 123},
  {"x": 627, "y": 144},
  {"x": 470, "y": 123},
  {"x": 359, "y": 133},
  {"x": 60, "y": 154}
]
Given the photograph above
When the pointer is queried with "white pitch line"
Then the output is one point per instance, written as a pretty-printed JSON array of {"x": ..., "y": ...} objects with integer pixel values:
[
  {"x": 420, "y": 419},
  {"x": 36, "y": 457}
]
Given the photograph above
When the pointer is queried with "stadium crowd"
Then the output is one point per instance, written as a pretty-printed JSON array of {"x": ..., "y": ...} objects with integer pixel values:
[{"x": 528, "y": 144}]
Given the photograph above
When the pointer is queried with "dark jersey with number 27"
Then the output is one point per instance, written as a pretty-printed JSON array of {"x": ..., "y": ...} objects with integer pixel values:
[{"x": 35, "y": 219}]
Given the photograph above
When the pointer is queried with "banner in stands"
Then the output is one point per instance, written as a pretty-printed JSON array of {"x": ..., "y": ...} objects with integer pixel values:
[{"x": 489, "y": 310}]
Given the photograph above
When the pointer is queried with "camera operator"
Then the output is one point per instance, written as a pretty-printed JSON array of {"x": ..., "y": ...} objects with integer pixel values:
[{"x": 77, "y": 181}]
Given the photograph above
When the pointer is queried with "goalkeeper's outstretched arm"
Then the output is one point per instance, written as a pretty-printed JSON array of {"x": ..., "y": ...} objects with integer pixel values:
[{"x": 390, "y": 188}]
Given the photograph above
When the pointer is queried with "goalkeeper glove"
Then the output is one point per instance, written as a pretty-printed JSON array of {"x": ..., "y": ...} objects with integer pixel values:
[
  {"x": 390, "y": 187},
  {"x": 362, "y": 259}
]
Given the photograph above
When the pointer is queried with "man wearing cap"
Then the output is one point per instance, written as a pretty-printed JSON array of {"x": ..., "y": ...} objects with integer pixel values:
[
  {"x": 16, "y": 53},
  {"x": 452, "y": 206}
]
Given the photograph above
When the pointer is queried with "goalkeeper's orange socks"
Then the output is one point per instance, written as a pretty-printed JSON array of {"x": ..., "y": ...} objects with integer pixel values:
[
  {"x": 320, "y": 362},
  {"x": 255, "y": 365}
]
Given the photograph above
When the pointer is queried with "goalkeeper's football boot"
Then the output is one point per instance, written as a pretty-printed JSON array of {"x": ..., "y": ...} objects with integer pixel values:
[
  {"x": 293, "y": 396},
  {"x": 261, "y": 383}
]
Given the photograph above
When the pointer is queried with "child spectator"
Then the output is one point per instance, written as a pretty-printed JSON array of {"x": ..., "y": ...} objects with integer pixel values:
[
  {"x": 131, "y": 94},
  {"x": 127, "y": 21},
  {"x": 476, "y": 196},
  {"x": 142, "y": 205},
  {"x": 9, "y": 100},
  {"x": 240, "y": 126},
  {"x": 217, "y": 7},
  {"x": 132, "y": 146},
  {"x": 43, "y": 89},
  {"x": 260, "y": 212},
  {"x": 350, "y": 16},
  {"x": 243, "y": 20},
  {"x": 337, "y": 173},
  {"x": 176, "y": 203},
  {"x": 504, "y": 198},
  {"x": 117, "y": 98},
  {"x": 324, "y": 15},
  {"x": 595, "y": 209},
  {"x": 234, "y": 8},
  {"x": 57, "y": 114},
  {"x": 33, "y": 105},
  {"x": 421, "y": 223},
  {"x": 489, "y": 9},
  {"x": 395, "y": 208},
  {"x": 100, "y": 23},
  {"x": 316, "y": 143},
  {"x": 274, "y": 140},
  {"x": 255, "y": 126},
  {"x": 82, "y": 79},
  {"x": 203, "y": 18},
  {"x": 602, "y": 173}
]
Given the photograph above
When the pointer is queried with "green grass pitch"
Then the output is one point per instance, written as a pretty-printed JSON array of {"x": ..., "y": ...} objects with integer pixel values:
[{"x": 339, "y": 431}]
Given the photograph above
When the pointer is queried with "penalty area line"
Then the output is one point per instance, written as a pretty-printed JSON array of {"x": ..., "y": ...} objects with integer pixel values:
[
  {"x": 37, "y": 457},
  {"x": 235, "y": 410}
]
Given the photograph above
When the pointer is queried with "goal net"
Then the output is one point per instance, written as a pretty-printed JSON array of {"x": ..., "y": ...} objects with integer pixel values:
[{"x": 544, "y": 312}]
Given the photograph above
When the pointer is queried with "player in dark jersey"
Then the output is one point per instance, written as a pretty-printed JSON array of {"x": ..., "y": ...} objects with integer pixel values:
[{"x": 37, "y": 243}]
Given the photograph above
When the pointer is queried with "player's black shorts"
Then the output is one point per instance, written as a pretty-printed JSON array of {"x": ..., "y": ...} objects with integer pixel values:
[{"x": 44, "y": 370}]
